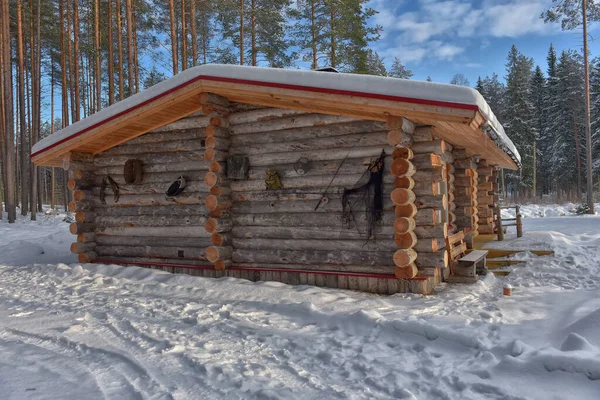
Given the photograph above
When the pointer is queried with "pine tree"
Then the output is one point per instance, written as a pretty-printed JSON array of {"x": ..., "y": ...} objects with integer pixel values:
[
  {"x": 397, "y": 70},
  {"x": 375, "y": 65},
  {"x": 459, "y": 79},
  {"x": 519, "y": 114},
  {"x": 538, "y": 88}
]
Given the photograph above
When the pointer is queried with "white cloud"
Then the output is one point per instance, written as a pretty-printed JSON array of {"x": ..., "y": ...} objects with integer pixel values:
[
  {"x": 448, "y": 51},
  {"x": 517, "y": 18}
]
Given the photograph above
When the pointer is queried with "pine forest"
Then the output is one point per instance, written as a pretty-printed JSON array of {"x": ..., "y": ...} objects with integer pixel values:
[{"x": 63, "y": 60}]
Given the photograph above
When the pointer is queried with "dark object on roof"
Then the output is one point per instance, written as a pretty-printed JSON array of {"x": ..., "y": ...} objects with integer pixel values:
[
  {"x": 176, "y": 187},
  {"x": 327, "y": 69},
  {"x": 133, "y": 171}
]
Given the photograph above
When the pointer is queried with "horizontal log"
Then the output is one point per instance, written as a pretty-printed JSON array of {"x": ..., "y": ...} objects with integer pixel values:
[
  {"x": 402, "y": 197},
  {"x": 348, "y": 166},
  {"x": 219, "y": 121},
  {"x": 429, "y": 245},
  {"x": 195, "y": 156},
  {"x": 437, "y": 146},
  {"x": 82, "y": 216},
  {"x": 311, "y": 132},
  {"x": 219, "y": 213},
  {"x": 155, "y": 231},
  {"x": 80, "y": 206},
  {"x": 220, "y": 191},
  {"x": 171, "y": 146},
  {"x": 318, "y": 155},
  {"x": 149, "y": 220},
  {"x": 213, "y": 225},
  {"x": 76, "y": 228},
  {"x": 284, "y": 145},
  {"x": 304, "y": 219},
  {"x": 323, "y": 181},
  {"x": 406, "y": 272},
  {"x": 401, "y": 167},
  {"x": 319, "y": 232},
  {"x": 215, "y": 131},
  {"x": 404, "y": 225},
  {"x": 201, "y": 243},
  {"x": 77, "y": 247},
  {"x": 194, "y": 134},
  {"x": 398, "y": 137},
  {"x": 155, "y": 172},
  {"x": 87, "y": 257},
  {"x": 314, "y": 244},
  {"x": 217, "y": 143},
  {"x": 407, "y": 210},
  {"x": 156, "y": 211},
  {"x": 465, "y": 221},
  {"x": 466, "y": 163},
  {"x": 216, "y": 253},
  {"x": 394, "y": 122},
  {"x": 215, "y": 155},
  {"x": 402, "y": 152},
  {"x": 429, "y": 175},
  {"x": 189, "y": 253},
  {"x": 423, "y": 134},
  {"x": 333, "y": 204},
  {"x": 86, "y": 237},
  {"x": 404, "y": 182},
  {"x": 431, "y": 231},
  {"x": 429, "y": 216},
  {"x": 192, "y": 186},
  {"x": 439, "y": 202},
  {"x": 403, "y": 257},
  {"x": 313, "y": 257},
  {"x": 149, "y": 200},
  {"x": 295, "y": 121},
  {"x": 430, "y": 188},
  {"x": 185, "y": 123},
  {"x": 406, "y": 240},
  {"x": 215, "y": 99},
  {"x": 262, "y": 114},
  {"x": 463, "y": 181},
  {"x": 369, "y": 269},
  {"x": 438, "y": 259},
  {"x": 312, "y": 193},
  {"x": 213, "y": 202},
  {"x": 426, "y": 161}
]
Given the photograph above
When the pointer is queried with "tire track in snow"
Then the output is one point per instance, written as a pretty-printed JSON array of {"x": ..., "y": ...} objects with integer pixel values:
[{"x": 117, "y": 375}]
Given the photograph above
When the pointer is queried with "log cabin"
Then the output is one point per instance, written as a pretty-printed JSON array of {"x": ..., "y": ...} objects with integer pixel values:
[{"x": 303, "y": 177}]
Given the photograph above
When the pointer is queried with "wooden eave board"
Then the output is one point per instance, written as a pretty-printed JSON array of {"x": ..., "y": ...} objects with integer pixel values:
[{"x": 455, "y": 125}]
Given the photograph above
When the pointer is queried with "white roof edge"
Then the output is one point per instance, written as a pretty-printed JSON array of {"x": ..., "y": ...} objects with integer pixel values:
[{"x": 326, "y": 80}]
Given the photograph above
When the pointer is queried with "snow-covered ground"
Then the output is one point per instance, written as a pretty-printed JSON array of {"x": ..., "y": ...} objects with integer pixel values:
[{"x": 69, "y": 331}]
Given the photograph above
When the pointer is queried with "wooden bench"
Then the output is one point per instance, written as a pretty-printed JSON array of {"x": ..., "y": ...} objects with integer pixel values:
[{"x": 464, "y": 267}]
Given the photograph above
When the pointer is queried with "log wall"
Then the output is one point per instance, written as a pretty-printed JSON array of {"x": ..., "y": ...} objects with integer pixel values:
[
  {"x": 295, "y": 234},
  {"x": 487, "y": 196}
]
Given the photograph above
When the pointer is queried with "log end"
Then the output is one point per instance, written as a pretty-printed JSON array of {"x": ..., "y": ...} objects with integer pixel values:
[
  {"x": 215, "y": 166},
  {"x": 73, "y": 228},
  {"x": 407, "y": 272},
  {"x": 78, "y": 195},
  {"x": 87, "y": 257},
  {"x": 211, "y": 202},
  {"x": 71, "y": 184},
  {"x": 404, "y": 257},
  {"x": 211, "y": 179},
  {"x": 211, "y": 225},
  {"x": 210, "y": 154},
  {"x": 406, "y": 240},
  {"x": 407, "y": 211},
  {"x": 72, "y": 206}
]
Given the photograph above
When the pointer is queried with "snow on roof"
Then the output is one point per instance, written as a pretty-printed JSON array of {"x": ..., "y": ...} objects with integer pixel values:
[{"x": 368, "y": 84}]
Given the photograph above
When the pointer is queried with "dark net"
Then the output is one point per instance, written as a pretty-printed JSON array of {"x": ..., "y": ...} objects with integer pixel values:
[{"x": 363, "y": 204}]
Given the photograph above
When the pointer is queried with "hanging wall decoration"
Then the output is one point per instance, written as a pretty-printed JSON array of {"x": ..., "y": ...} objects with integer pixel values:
[
  {"x": 302, "y": 166},
  {"x": 133, "y": 171},
  {"x": 237, "y": 167},
  {"x": 176, "y": 187},
  {"x": 106, "y": 181},
  {"x": 272, "y": 180}
]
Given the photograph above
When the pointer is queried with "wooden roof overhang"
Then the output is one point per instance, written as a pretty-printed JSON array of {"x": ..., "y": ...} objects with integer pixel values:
[{"x": 457, "y": 123}]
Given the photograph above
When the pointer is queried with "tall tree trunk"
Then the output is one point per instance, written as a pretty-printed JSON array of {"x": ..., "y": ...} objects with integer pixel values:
[
  {"x": 193, "y": 32},
  {"x": 253, "y": 30},
  {"x": 136, "y": 67},
  {"x": 578, "y": 155},
  {"x": 2, "y": 119},
  {"x": 313, "y": 31},
  {"x": 130, "y": 76},
  {"x": 534, "y": 168},
  {"x": 53, "y": 177},
  {"x": 111, "y": 65},
  {"x": 36, "y": 108},
  {"x": 22, "y": 115},
  {"x": 588, "y": 128},
  {"x": 183, "y": 37},
  {"x": 76, "y": 59},
  {"x": 241, "y": 32},
  {"x": 173, "y": 37},
  {"x": 120, "y": 50},
  {"x": 9, "y": 166},
  {"x": 98, "y": 50}
]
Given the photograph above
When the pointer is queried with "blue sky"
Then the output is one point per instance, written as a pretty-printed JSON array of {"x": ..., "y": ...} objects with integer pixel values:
[{"x": 440, "y": 38}]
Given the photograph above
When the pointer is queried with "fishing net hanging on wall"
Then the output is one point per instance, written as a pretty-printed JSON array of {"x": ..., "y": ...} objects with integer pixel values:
[{"x": 362, "y": 206}]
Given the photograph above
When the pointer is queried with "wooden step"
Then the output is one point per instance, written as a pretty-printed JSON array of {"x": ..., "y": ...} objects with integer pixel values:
[
  {"x": 501, "y": 273},
  {"x": 462, "y": 279},
  {"x": 496, "y": 253},
  {"x": 495, "y": 263}
]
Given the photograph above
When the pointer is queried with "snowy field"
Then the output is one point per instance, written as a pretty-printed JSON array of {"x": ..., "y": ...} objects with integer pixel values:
[{"x": 70, "y": 331}]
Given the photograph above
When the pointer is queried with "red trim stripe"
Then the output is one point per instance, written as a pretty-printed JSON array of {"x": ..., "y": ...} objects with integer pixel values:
[
  {"x": 266, "y": 84},
  {"x": 299, "y": 271}
]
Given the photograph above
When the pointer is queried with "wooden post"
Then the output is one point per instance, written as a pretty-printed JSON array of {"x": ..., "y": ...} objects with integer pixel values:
[
  {"x": 519, "y": 223},
  {"x": 499, "y": 224}
]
